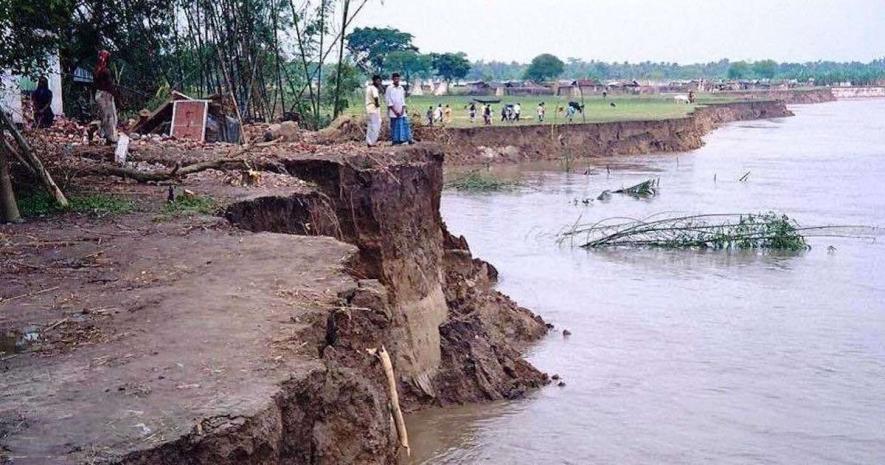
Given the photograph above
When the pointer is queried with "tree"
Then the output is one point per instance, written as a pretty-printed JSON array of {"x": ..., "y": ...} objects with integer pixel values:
[
  {"x": 29, "y": 32},
  {"x": 544, "y": 67},
  {"x": 370, "y": 46},
  {"x": 739, "y": 70},
  {"x": 410, "y": 64},
  {"x": 347, "y": 79},
  {"x": 450, "y": 66},
  {"x": 765, "y": 69}
]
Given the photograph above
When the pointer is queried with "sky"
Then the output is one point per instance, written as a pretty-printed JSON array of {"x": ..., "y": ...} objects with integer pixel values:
[{"x": 683, "y": 31}]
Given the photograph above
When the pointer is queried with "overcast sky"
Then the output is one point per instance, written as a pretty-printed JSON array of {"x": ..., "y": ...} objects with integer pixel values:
[{"x": 684, "y": 31}]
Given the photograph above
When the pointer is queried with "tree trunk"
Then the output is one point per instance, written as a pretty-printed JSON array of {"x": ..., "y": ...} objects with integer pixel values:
[
  {"x": 8, "y": 206},
  {"x": 337, "y": 103},
  {"x": 28, "y": 154}
]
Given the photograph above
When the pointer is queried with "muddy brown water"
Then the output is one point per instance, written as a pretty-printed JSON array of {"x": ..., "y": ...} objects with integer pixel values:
[{"x": 682, "y": 357}]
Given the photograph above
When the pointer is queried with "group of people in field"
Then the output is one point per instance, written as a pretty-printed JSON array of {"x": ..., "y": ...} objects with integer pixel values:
[
  {"x": 510, "y": 113},
  {"x": 439, "y": 116},
  {"x": 393, "y": 100}
]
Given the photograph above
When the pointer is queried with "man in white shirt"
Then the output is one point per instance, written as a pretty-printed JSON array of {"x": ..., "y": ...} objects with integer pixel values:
[
  {"x": 400, "y": 132},
  {"x": 373, "y": 111},
  {"x": 516, "y": 111}
]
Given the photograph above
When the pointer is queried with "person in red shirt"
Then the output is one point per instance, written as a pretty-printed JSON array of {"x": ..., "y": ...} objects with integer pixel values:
[{"x": 104, "y": 97}]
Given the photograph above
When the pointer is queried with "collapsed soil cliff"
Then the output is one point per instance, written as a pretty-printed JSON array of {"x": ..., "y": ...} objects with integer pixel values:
[
  {"x": 507, "y": 144},
  {"x": 202, "y": 342},
  {"x": 453, "y": 337}
]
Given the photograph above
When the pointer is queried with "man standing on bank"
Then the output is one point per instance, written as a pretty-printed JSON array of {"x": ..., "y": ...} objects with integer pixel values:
[
  {"x": 104, "y": 97},
  {"x": 400, "y": 132},
  {"x": 373, "y": 111}
]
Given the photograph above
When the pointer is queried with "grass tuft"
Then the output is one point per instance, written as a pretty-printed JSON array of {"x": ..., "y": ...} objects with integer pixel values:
[
  {"x": 186, "y": 205},
  {"x": 477, "y": 181},
  {"x": 38, "y": 203}
]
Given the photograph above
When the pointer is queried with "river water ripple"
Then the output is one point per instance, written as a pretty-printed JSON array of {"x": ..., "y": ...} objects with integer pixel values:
[{"x": 681, "y": 357}]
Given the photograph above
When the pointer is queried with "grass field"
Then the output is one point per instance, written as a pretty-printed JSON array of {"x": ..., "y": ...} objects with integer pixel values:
[{"x": 597, "y": 109}]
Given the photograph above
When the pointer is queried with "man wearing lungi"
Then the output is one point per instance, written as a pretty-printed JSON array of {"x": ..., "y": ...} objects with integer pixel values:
[
  {"x": 400, "y": 132},
  {"x": 373, "y": 111}
]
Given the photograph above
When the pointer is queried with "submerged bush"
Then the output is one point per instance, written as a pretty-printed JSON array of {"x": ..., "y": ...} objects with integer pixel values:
[
  {"x": 718, "y": 231},
  {"x": 478, "y": 181}
]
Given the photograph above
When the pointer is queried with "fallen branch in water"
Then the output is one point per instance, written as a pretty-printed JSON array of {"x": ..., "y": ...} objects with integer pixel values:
[
  {"x": 642, "y": 190},
  {"x": 713, "y": 231}
]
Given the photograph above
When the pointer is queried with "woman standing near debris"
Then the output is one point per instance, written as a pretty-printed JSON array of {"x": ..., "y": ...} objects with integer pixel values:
[
  {"x": 104, "y": 97},
  {"x": 42, "y": 97}
]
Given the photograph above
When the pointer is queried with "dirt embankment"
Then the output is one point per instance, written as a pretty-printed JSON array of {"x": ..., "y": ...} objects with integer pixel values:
[
  {"x": 788, "y": 96},
  {"x": 453, "y": 337},
  {"x": 859, "y": 92},
  {"x": 507, "y": 144},
  {"x": 196, "y": 341}
]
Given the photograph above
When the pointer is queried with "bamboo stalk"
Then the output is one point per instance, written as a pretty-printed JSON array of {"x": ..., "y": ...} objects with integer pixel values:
[{"x": 395, "y": 409}]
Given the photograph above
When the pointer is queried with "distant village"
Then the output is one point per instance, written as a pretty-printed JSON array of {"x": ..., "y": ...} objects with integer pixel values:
[{"x": 588, "y": 87}]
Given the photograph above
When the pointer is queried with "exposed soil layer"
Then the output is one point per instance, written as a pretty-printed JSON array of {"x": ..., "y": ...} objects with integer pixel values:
[
  {"x": 454, "y": 338},
  {"x": 509, "y": 144},
  {"x": 128, "y": 340},
  {"x": 788, "y": 96}
]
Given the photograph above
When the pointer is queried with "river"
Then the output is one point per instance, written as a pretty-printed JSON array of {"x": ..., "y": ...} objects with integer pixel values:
[{"x": 690, "y": 357}]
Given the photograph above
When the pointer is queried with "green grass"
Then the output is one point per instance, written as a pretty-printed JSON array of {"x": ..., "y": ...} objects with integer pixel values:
[
  {"x": 477, "y": 181},
  {"x": 186, "y": 205},
  {"x": 39, "y": 203},
  {"x": 627, "y": 108}
]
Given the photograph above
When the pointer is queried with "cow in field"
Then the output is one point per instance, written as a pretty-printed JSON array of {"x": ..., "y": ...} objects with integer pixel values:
[{"x": 681, "y": 99}]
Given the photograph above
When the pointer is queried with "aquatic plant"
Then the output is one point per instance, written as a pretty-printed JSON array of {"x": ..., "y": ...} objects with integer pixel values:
[
  {"x": 642, "y": 190},
  {"x": 479, "y": 181},
  {"x": 771, "y": 231}
]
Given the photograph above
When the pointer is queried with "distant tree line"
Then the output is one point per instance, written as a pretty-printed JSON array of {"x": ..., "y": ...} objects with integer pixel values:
[{"x": 823, "y": 72}]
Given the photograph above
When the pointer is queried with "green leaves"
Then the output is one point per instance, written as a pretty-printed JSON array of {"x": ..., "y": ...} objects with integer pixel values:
[{"x": 544, "y": 67}]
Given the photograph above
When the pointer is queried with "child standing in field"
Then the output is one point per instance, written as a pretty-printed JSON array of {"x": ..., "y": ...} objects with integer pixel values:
[
  {"x": 429, "y": 116},
  {"x": 487, "y": 114},
  {"x": 517, "y": 109},
  {"x": 471, "y": 111},
  {"x": 541, "y": 112},
  {"x": 447, "y": 115}
]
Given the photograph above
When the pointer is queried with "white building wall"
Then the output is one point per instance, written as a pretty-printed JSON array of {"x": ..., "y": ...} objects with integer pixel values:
[{"x": 10, "y": 96}]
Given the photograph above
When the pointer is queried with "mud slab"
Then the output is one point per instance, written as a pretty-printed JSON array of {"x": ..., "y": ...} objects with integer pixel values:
[{"x": 183, "y": 347}]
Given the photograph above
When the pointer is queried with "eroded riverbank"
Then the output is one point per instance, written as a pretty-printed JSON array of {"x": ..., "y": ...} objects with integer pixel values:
[{"x": 144, "y": 350}]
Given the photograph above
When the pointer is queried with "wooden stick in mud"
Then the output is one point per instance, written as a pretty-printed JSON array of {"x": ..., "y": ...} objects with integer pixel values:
[{"x": 387, "y": 365}]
